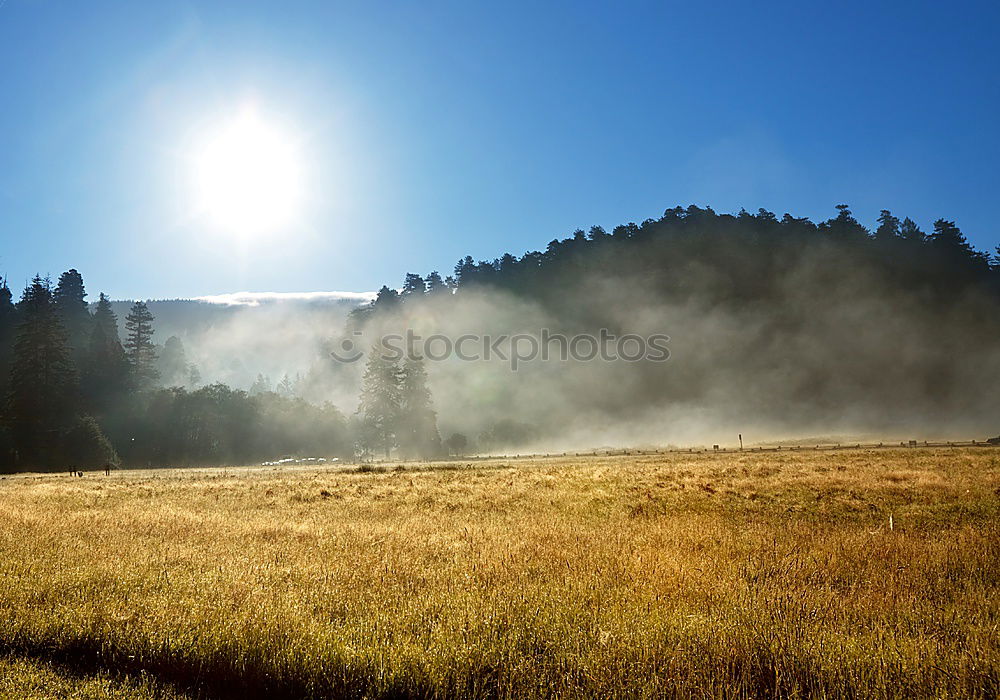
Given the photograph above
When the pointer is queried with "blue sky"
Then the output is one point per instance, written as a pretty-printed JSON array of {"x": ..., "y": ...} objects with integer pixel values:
[{"x": 432, "y": 130}]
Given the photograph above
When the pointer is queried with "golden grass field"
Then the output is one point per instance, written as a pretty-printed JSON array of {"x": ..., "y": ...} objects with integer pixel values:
[{"x": 707, "y": 575}]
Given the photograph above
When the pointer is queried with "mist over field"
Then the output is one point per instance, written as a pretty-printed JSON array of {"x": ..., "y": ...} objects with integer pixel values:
[
  {"x": 233, "y": 338},
  {"x": 775, "y": 333},
  {"x": 499, "y": 351}
]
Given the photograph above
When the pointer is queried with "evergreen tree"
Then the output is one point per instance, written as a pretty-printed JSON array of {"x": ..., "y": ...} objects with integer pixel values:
[
  {"x": 414, "y": 286},
  {"x": 435, "y": 285},
  {"x": 418, "y": 433},
  {"x": 173, "y": 365},
  {"x": 888, "y": 226},
  {"x": 597, "y": 233},
  {"x": 844, "y": 226},
  {"x": 285, "y": 387},
  {"x": 909, "y": 231},
  {"x": 86, "y": 446},
  {"x": 42, "y": 394},
  {"x": 465, "y": 271},
  {"x": 105, "y": 375},
  {"x": 947, "y": 237},
  {"x": 70, "y": 303},
  {"x": 386, "y": 299},
  {"x": 8, "y": 330},
  {"x": 139, "y": 347},
  {"x": 381, "y": 400},
  {"x": 261, "y": 385}
]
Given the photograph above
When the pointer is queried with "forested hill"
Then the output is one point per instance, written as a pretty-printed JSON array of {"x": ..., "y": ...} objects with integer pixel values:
[
  {"x": 777, "y": 328},
  {"x": 779, "y": 325},
  {"x": 737, "y": 259}
]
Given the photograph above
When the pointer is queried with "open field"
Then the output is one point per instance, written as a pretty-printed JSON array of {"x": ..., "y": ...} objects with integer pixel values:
[{"x": 712, "y": 575}]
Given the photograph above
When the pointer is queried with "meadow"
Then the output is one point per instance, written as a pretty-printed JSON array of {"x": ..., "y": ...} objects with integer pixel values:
[{"x": 853, "y": 573}]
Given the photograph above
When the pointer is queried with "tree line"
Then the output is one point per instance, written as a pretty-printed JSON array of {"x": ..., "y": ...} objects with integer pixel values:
[
  {"x": 942, "y": 261},
  {"x": 771, "y": 316},
  {"x": 78, "y": 396}
]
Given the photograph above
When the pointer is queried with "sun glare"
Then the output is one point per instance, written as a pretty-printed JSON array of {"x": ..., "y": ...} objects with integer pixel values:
[{"x": 248, "y": 177}]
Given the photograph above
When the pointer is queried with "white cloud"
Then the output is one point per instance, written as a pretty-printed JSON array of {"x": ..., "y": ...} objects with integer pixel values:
[{"x": 258, "y": 298}]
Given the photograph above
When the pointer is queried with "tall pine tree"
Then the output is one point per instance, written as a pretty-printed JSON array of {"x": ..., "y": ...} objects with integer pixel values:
[
  {"x": 888, "y": 226},
  {"x": 8, "y": 329},
  {"x": 105, "y": 374},
  {"x": 69, "y": 298},
  {"x": 380, "y": 402},
  {"x": 42, "y": 399},
  {"x": 139, "y": 347},
  {"x": 418, "y": 432}
]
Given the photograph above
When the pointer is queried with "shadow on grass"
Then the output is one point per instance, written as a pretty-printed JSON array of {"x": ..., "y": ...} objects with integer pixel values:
[{"x": 211, "y": 678}]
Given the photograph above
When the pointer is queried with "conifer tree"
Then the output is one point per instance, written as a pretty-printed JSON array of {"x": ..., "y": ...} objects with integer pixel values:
[
  {"x": 261, "y": 385},
  {"x": 909, "y": 231},
  {"x": 174, "y": 368},
  {"x": 42, "y": 393},
  {"x": 105, "y": 374},
  {"x": 414, "y": 286},
  {"x": 139, "y": 347},
  {"x": 435, "y": 285},
  {"x": 285, "y": 387},
  {"x": 381, "y": 400},
  {"x": 8, "y": 329},
  {"x": 69, "y": 298},
  {"x": 418, "y": 432},
  {"x": 948, "y": 238},
  {"x": 888, "y": 226}
]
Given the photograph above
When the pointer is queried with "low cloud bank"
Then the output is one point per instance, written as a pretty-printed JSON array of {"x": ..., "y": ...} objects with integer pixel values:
[{"x": 258, "y": 298}]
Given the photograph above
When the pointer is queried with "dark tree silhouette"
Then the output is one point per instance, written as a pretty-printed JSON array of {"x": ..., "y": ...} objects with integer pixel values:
[
  {"x": 413, "y": 286},
  {"x": 139, "y": 347},
  {"x": 42, "y": 399},
  {"x": 888, "y": 226},
  {"x": 69, "y": 298},
  {"x": 436, "y": 285},
  {"x": 783, "y": 279},
  {"x": 457, "y": 444},
  {"x": 8, "y": 330},
  {"x": 909, "y": 231},
  {"x": 105, "y": 374}
]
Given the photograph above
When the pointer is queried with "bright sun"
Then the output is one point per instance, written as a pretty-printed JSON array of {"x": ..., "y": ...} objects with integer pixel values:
[{"x": 248, "y": 177}]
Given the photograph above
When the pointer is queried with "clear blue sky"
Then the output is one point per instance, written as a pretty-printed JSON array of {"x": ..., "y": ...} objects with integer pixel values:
[{"x": 439, "y": 129}]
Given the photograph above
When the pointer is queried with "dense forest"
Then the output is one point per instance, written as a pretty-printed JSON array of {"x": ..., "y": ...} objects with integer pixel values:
[
  {"x": 779, "y": 327},
  {"x": 779, "y": 324},
  {"x": 78, "y": 396}
]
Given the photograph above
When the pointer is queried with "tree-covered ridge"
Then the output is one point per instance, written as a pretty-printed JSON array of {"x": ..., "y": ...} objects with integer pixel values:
[
  {"x": 749, "y": 250},
  {"x": 774, "y": 322},
  {"x": 778, "y": 322}
]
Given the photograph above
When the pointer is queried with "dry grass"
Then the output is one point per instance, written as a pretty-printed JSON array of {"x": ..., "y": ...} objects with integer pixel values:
[
  {"x": 669, "y": 575},
  {"x": 34, "y": 679}
]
